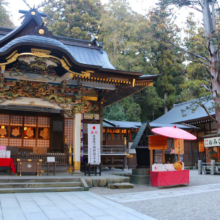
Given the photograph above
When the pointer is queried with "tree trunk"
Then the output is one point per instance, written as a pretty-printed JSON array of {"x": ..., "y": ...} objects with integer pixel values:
[
  {"x": 165, "y": 106},
  {"x": 210, "y": 27}
]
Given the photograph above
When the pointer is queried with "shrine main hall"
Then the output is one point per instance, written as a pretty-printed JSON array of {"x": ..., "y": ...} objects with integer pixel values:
[{"x": 52, "y": 87}]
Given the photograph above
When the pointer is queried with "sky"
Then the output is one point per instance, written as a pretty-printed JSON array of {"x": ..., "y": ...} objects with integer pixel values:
[{"x": 16, "y": 5}]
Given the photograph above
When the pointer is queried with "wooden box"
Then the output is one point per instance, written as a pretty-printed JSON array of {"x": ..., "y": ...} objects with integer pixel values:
[{"x": 29, "y": 166}]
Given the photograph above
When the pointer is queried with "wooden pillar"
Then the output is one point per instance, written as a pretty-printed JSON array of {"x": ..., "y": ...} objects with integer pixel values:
[
  {"x": 101, "y": 124},
  {"x": 163, "y": 154},
  {"x": 106, "y": 136},
  {"x": 111, "y": 134},
  {"x": 77, "y": 143},
  {"x": 127, "y": 137},
  {"x": 151, "y": 159}
]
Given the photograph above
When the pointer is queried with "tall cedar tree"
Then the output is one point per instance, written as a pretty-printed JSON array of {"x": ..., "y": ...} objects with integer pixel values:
[
  {"x": 165, "y": 57},
  {"x": 119, "y": 32},
  {"x": 197, "y": 78},
  {"x": 73, "y": 18},
  {"x": 5, "y": 20},
  {"x": 212, "y": 37}
]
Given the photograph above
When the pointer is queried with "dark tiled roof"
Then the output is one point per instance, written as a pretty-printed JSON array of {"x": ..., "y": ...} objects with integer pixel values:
[
  {"x": 175, "y": 114},
  {"x": 139, "y": 135},
  {"x": 90, "y": 56},
  {"x": 136, "y": 124},
  {"x": 34, "y": 39},
  {"x": 122, "y": 124},
  {"x": 81, "y": 55}
]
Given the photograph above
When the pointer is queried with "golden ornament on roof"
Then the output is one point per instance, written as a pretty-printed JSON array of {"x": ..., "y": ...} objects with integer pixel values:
[{"x": 41, "y": 31}]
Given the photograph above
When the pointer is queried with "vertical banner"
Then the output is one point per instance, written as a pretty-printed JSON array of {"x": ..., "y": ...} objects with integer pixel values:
[
  {"x": 82, "y": 123},
  {"x": 94, "y": 144},
  {"x": 201, "y": 146},
  {"x": 179, "y": 146}
]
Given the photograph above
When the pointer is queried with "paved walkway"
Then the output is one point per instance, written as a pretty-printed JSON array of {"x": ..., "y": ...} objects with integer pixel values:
[
  {"x": 163, "y": 193},
  {"x": 64, "y": 206}
]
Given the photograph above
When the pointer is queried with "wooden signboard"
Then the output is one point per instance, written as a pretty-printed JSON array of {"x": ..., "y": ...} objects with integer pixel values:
[
  {"x": 179, "y": 146},
  {"x": 157, "y": 142},
  {"x": 201, "y": 146},
  {"x": 39, "y": 150}
]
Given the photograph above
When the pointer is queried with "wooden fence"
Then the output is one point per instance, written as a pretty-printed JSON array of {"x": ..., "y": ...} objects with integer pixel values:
[{"x": 61, "y": 158}]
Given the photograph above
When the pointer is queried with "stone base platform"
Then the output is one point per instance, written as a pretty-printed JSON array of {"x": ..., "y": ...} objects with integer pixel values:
[
  {"x": 140, "y": 176},
  {"x": 120, "y": 186}
]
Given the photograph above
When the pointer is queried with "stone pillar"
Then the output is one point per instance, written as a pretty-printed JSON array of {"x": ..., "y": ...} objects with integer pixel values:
[
  {"x": 212, "y": 167},
  {"x": 200, "y": 166},
  {"x": 77, "y": 143}
]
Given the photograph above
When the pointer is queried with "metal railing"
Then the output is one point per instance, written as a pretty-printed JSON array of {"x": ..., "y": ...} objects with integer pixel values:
[
  {"x": 208, "y": 167},
  {"x": 109, "y": 149}
]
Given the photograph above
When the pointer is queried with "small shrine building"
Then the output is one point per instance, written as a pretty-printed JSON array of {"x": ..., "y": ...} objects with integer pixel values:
[{"x": 51, "y": 87}]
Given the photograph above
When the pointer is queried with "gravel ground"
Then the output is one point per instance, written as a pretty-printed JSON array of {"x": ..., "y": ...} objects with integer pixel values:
[
  {"x": 107, "y": 191},
  {"x": 202, "y": 206}
]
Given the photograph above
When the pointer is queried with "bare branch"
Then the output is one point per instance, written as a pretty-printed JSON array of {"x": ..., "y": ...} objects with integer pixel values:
[
  {"x": 194, "y": 54},
  {"x": 197, "y": 9},
  {"x": 203, "y": 106},
  {"x": 209, "y": 72},
  {"x": 207, "y": 88},
  {"x": 202, "y": 61}
]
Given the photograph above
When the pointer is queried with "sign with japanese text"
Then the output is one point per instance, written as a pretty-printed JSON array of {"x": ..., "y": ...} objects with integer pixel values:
[
  {"x": 94, "y": 153},
  {"x": 212, "y": 142},
  {"x": 179, "y": 146}
]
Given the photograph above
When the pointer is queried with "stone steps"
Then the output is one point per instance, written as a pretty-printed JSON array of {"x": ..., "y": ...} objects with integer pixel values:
[
  {"x": 38, "y": 179},
  {"x": 45, "y": 189},
  {"x": 41, "y": 184}
]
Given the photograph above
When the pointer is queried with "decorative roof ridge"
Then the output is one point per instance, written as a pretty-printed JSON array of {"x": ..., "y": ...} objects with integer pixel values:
[
  {"x": 69, "y": 41},
  {"x": 75, "y": 40}
]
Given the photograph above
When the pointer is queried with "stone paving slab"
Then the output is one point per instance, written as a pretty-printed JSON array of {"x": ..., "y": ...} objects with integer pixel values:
[
  {"x": 163, "y": 193},
  {"x": 64, "y": 206}
]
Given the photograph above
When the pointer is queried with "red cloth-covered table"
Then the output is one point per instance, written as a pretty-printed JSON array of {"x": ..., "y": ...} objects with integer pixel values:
[
  {"x": 7, "y": 162},
  {"x": 169, "y": 178}
]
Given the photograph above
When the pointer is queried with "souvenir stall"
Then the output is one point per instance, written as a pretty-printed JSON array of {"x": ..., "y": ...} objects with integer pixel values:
[{"x": 163, "y": 175}]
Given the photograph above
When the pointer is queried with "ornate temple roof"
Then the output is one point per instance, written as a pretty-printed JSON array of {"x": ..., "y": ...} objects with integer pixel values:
[{"x": 80, "y": 61}]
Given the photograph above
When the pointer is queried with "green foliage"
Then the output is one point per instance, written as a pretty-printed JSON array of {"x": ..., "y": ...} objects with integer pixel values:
[
  {"x": 73, "y": 18},
  {"x": 125, "y": 110},
  {"x": 5, "y": 20},
  {"x": 115, "y": 112},
  {"x": 197, "y": 76},
  {"x": 131, "y": 108},
  {"x": 164, "y": 56}
]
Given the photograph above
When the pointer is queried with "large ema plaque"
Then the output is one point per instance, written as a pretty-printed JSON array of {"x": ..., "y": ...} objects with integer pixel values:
[{"x": 94, "y": 144}]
